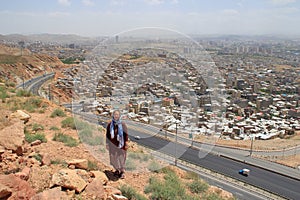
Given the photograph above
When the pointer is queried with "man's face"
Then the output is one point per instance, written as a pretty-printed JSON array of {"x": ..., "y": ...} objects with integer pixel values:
[{"x": 116, "y": 116}]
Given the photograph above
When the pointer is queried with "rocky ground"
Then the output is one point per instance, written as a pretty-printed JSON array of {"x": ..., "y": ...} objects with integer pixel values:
[{"x": 52, "y": 170}]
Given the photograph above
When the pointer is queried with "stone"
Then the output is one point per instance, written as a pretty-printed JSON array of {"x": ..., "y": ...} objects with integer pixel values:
[
  {"x": 79, "y": 163},
  {"x": 101, "y": 175},
  {"x": 5, "y": 191},
  {"x": 51, "y": 194},
  {"x": 95, "y": 189},
  {"x": 20, "y": 114},
  {"x": 12, "y": 137},
  {"x": 118, "y": 197},
  {"x": 112, "y": 190},
  {"x": 46, "y": 160},
  {"x": 19, "y": 188},
  {"x": 24, "y": 174},
  {"x": 68, "y": 179},
  {"x": 35, "y": 143}
]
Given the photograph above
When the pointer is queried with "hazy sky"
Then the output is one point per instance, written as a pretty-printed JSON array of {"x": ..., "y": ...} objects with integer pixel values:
[{"x": 100, "y": 17}]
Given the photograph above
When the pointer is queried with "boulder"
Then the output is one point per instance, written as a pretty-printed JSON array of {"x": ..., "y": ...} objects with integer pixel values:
[
  {"x": 79, "y": 163},
  {"x": 12, "y": 137},
  {"x": 95, "y": 189},
  {"x": 22, "y": 115},
  {"x": 19, "y": 188},
  {"x": 68, "y": 179},
  {"x": 100, "y": 175},
  {"x": 51, "y": 194}
]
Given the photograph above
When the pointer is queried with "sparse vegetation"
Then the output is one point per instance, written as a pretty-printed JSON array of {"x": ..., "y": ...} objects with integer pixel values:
[
  {"x": 170, "y": 188},
  {"x": 131, "y": 193},
  {"x": 198, "y": 186},
  {"x": 139, "y": 156},
  {"x": 87, "y": 133},
  {"x": 38, "y": 157},
  {"x": 92, "y": 165},
  {"x": 58, "y": 113},
  {"x": 154, "y": 166},
  {"x": 130, "y": 165},
  {"x": 59, "y": 162},
  {"x": 10, "y": 59},
  {"x": 29, "y": 137},
  {"x": 54, "y": 128},
  {"x": 23, "y": 93},
  {"x": 3, "y": 93},
  {"x": 66, "y": 139},
  {"x": 32, "y": 103},
  {"x": 37, "y": 127},
  {"x": 68, "y": 123}
]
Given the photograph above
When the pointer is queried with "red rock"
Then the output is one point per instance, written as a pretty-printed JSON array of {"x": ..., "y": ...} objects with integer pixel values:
[
  {"x": 95, "y": 189},
  {"x": 46, "y": 160},
  {"x": 51, "y": 194},
  {"x": 20, "y": 189},
  {"x": 24, "y": 174}
]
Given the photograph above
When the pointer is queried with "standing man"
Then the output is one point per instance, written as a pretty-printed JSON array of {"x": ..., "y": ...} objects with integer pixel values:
[{"x": 116, "y": 143}]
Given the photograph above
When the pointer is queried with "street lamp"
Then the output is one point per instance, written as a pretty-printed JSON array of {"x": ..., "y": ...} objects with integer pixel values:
[{"x": 176, "y": 131}]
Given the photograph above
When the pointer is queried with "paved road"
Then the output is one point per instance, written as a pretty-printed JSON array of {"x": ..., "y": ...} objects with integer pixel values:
[
  {"x": 276, "y": 183},
  {"x": 33, "y": 85}
]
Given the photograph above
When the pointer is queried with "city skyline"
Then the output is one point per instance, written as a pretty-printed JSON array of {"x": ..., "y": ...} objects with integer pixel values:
[{"x": 102, "y": 18}]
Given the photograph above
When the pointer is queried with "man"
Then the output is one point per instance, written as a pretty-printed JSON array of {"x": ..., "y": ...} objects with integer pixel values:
[{"x": 116, "y": 143}]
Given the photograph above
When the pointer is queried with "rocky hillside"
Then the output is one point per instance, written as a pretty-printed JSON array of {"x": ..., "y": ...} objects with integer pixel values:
[
  {"x": 17, "y": 64},
  {"x": 43, "y": 156}
]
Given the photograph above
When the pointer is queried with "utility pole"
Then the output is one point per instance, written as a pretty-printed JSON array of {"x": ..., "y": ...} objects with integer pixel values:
[
  {"x": 176, "y": 145},
  {"x": 251, "y": 148},
  {"x": 49, "y": 92},
  {"x": 23, "y": 82}
]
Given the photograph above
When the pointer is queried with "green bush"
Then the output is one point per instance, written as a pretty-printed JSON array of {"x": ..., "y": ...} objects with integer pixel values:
[
  {"x": 58, "y": 113},
  {"x": 33, "y": 137},
  {"x": 23, "y": 93},
  {"x": 54, "y": 128},
  {"x": 170, "y": 188},
  {"x": 130, "y": 165},
  {"x": 139, "y": 156},
  {"x": 198, "y": 186},
  {"x": 191, "y": 175},
  {"x": 32, "y": 104},
  {"x": 131, "y": 193},
  {"x": 66, "y": 139},
  {"x": 37, "y": 127},
  {"x": 154, "y": 166},
  {"x": 68, "y": 123},
  {"x": 80, "y": 125},
  {"x": 38, "y": 157},
  {"x": 3, "y": 93},
  {"x": 213, "y": 196}
]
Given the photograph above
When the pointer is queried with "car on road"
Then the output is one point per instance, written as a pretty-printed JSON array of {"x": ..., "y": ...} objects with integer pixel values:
[
  {"x": 137, "y": 137},
  {"x": 244, "y": 172}
]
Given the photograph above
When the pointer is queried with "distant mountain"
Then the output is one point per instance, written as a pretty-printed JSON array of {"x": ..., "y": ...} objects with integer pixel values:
[{"x": 49, "y": 38}]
